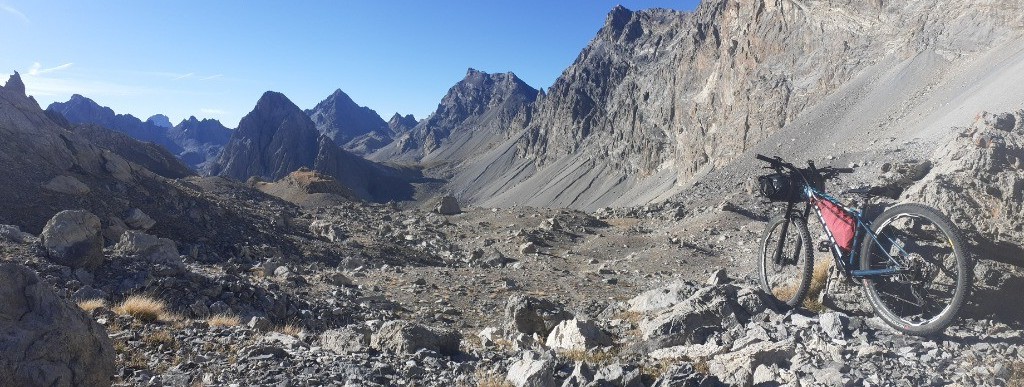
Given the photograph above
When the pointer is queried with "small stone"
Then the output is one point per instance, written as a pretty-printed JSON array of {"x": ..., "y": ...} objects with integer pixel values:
[{"x": 528, "y": 248}]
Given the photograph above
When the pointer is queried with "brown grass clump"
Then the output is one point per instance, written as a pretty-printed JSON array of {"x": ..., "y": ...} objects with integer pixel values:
[
  {"x": 144, "y": 308},
  {"x": 290, "y": 330},
  {"x": 223, "y": 320},
  {"x": 490, "y": 379},
  {"x": 819, "y": 276},
  {"x": 91, "y": 305},
  {"x": 158, "y": 338}
]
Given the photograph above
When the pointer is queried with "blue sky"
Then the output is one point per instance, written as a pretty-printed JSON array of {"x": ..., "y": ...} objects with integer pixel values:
[{"x": 213, "y": 59}]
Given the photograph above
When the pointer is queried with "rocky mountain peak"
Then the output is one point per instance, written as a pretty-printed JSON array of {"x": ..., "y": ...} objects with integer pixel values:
[
  {"x": 617, "y": 18},
  {"x": 400, "y": 124},
  {"x": 160, "y": 120},
  {"x": 15, "y": 85},
  {"x": 356, "y": 128}
]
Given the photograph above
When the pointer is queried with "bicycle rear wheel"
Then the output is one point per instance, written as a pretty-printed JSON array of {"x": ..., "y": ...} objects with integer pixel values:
[
  {"x": 784, "y": 269},
  {"x": 925, "y": 298}
]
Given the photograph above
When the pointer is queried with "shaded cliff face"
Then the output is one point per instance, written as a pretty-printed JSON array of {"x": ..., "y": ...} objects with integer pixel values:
[
  {"x": 201, "y": 141},
  {"x": 273, "y": 140},
  {"x": 475, "y": 114},
  {"x": 148, "y": 155},
  {"x": 659, "y": 97},
  {"x": 344, "y": 121}
]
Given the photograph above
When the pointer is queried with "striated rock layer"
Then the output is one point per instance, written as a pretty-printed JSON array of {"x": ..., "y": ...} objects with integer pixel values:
[{"x": 658, "y": 97}]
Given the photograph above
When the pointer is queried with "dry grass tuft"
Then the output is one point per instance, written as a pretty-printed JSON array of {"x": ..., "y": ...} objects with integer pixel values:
[
  {"x": 819, "y": 276},
  {"x": 486, "y": 378},
  {"x": 159, "y": 338},
  {"x": 595, "y": 356},
  {"x": 290, "y": 330},
  {"x": 223, "y": 320},
  {"x": 144, "y": 308},
  {"x": 91, "y": 305}
]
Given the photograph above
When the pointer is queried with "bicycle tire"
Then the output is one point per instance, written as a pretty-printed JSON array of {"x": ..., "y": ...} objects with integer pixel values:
[
  {"x": 964, "y": 275},
  {"x": 803, "y": 265}
]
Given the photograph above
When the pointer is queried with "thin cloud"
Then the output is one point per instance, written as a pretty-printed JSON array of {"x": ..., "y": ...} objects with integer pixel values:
[
  {"x": 211, "y": 77},
  {"x": 37, "y": 68},
  {"x": 58, "y": 87},
  {"x": 13, "y": 11},
  {"x": 186, "y": 76}
]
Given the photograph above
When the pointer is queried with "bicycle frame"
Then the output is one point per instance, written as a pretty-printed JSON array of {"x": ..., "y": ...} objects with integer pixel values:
[{"x": 851, "y": 261}]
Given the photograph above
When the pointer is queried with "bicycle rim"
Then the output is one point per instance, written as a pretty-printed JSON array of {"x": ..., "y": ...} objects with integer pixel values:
[
  {"x": 787, "y": 278},
  {"x": 928, "y": 291}
]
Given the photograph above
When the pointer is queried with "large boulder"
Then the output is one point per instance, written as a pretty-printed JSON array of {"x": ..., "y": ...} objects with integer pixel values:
[
  {"x": 72, "y": 238},
  {"x": 448, "y": 205},
  {"x": 158, "y": 251},
  {"x": 346, "y": 340},
  {"x": 404, "y": 336},
  {"x": 577, "y": 335},
  {"x": 46, "y": 341},
  {"x": 531, "y": 315}
]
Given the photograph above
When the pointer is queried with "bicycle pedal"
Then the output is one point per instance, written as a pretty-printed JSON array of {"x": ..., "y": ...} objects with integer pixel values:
[{"x": 824, "y": 246}]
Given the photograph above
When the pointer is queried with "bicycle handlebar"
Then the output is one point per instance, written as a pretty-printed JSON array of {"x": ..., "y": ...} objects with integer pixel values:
[{"x": 826, "y": 173}]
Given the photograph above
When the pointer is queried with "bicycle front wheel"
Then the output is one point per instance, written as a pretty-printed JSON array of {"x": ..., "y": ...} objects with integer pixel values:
[
  {"x": 926, "y": 296},
  {"x": 786, "y": 261}
]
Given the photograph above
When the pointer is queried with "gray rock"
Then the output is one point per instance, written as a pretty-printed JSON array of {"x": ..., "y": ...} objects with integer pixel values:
[
  {"x": 261, "y": 324},
  {"x": 407, "y": 337},
  {"x": 582, "y": 375},
  {"x": 47, "y": 341},
  {"x": 661, "y": 298},
  {"x": 346, "y": 340},
  {"x": 737, "y": 368},
  {"x": 709, "y": 310},
  {"x": 338, "y": 279},
  {"x": 72, "y": 238},
  {"x": 67, "y": 185},
  {"x": 528, "y": 248},
  {"x": 833, "y": 324},
  {"x": 531, "y": 315},
  {"x": 137, "y": 244},
  {"x": 579, "y": 335},
  {"x": 619, "y": 375},
  {"x": 719, "y": 277},
  {"x": 532, "y": 370},
  {"x": 327, "y": 230},
  {"x": 88, "y": 293},
  {"x": 138, "y": 220},
  {"x": 14, "y": 234},
  {"x": 448, "y": 205}
]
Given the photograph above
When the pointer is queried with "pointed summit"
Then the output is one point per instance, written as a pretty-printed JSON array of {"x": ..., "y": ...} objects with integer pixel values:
[
  {"x": 15, "y": 85},
  {"x": 339, "y": 118}
]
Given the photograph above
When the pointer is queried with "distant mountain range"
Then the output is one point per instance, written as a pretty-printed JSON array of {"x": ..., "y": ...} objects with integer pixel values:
[
  {"x": 194, "y": 142},
  {"x": 656, "y": 100}
]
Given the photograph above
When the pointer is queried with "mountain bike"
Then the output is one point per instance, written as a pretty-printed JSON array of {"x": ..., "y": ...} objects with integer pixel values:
[{"x": 911, "y": 259}]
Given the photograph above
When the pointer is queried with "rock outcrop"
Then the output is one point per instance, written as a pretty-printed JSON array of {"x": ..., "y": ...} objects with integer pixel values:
[
  {"x": 977, "y": 179},
  {"x": 46, "y": 340},
  {"x": 201, "y": 141},
  {"x": 149, "y": 155}
]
